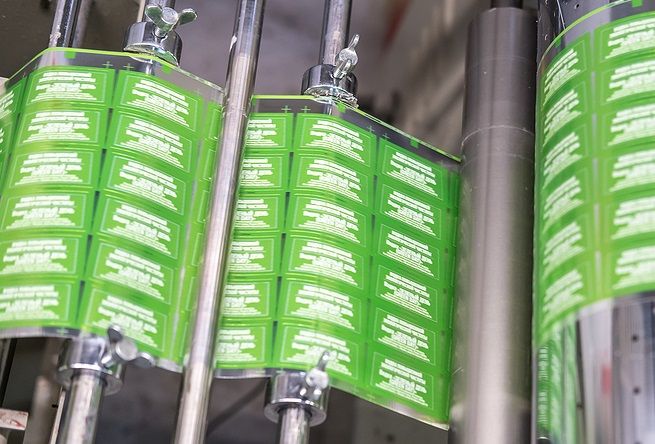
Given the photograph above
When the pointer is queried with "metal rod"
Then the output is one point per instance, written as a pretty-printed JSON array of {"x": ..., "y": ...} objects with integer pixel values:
[
  {"x": 83, "y": 401},
  {"x": 293, "y": 426},
  {"x": 64, "y": 23},
  {"x": 199, "y": 369},
  {"x": 507, "y": 3},
  {"x": 336, "y": 26},
  {"x": 492, "y": 393},
  {"x": 81, "y": 23}
]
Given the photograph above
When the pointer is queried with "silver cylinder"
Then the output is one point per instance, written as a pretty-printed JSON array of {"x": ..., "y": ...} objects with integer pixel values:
[
  {"x": 199, "y": 369},
  {"x": 81, "y": 23},
  {"x": 84, "y": 398},
  {"x": 64, "y": 23},
  {"x": 492, "y": 390},
  {"x": 293, "y": 426},
  {"x": 336, "y": 26}
]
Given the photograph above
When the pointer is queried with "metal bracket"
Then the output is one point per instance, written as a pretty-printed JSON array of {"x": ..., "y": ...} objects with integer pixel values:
[
  {"x": 156, "y": 36},
  {"x": 307, "y": 390},
  {"x": 105, "y": 356},
  {"x": 337, "y": 81}
]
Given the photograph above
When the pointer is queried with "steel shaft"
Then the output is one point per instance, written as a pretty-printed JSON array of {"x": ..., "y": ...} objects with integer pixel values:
[
  {"x": 83, "y": 400},
  {"x": 65, "y": 23},
  {"x": 493, "y": 391},
  {"x": 199, "y": 369},
  {"x": 293, "y": 426},
  {"x": 336, "y": 26}
]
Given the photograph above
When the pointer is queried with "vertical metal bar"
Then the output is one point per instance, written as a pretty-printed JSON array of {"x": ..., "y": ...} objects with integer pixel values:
[
  {"x": 199, "y": 369},
  {"x": 64, "y": 24},
  {"x": 81, "y": 23},
  {"x": 7, "y": 348},
  {"x": 492, "y": 392},
  {"x": 336, "y": 26},
  {"x": 84, "y": 398},
  {"x": 293, "y": 426},
  {"x": 47, "y": 392}
]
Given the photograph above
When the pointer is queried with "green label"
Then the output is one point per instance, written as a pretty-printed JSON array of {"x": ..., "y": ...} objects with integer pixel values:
[
  {"x": 565, "y": 108},
  {"x": 141, "y": 136},
  {"x": 403, "y": 382},
  {"x": 326, "y": 175},
  {"x": 330, "y": 134},
  {"x": 9, "y": 103},
  {"x": 405, "y": 337},
  {"x": 139, "y": 225},
  {"x": 326, "y": 261},
  {"x": 631, "y": 171},
  {"x": 326, "y": 216},
  {"x": 623, "y": 37},
  {"x": 144, "y": 325},
  {"x": 406, "y": 292},
  {"x": 412, "y": 212},
  {"x": 259, "y": 213},
  {"x": 133, "y": 271},
  {"x": 261, "y": 171},
  {"x": 568, "y": 65},
  {"x": 242, "y": 346},
  {"x": 66, "y": 126},
  {"x": 413, "y": 171},
  {"x": 47, "y": 303},
  {"x": 136, "y": 179},
  {"x": 72, "y": 84},
  {"x": 409, "y": 251},
  {"x": 54, "y": 167},
  {"x": 46, "y": 210},
  {"x": 52, "y": 255},
  {"x": 313, "y": 302},
  {"x": 247, "y": 299},
  {"x": 153, "y": 96},
  {"x": 253, "y": 254},
  {"x": 269, "y": 131},
  {"x": 302, "y": 347}
]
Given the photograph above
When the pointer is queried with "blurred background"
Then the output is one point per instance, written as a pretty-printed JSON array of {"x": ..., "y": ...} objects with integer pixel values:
[{"x": 411, "y": 75}]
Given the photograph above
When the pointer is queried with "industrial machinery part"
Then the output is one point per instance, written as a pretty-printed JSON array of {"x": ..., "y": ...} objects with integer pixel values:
[
  {"x": 156, "y": 34},
  {"x": 90, "y": 367},
  {"x": 492, "y": 358},
  {"x": 333, "y": 76},
  {"x": 199, "y": 368},
  {"x": 594, "y": 341},
  {"x": 297, "y": 401}
]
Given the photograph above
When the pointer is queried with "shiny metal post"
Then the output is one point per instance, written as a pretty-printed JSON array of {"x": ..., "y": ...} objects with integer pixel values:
[
  {"x": 199, "y": 368},
  {"x": 333, "y": 76},
  {"x": 65, "y": 23},
  {"x": 83, "y": 397},
  {"x": 492, "y": 396},
  {"x": 336, "y": 27},
  {"x": 293, "y": 426}
]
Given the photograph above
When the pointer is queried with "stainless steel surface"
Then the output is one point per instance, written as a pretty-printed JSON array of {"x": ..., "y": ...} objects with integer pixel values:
[
  {"x": 64, "y": 23},
  {"x": 7, "y": 347},
  {"x": 285, "y": 390},
  {"x": 336, "y": 26},
  {"x": 105, "y": 357},
  {"x": 82, "y": 23},
  {"x": 155, "y": 34},
  {"x": 199, "y": 365},
  {"x": 333, "y": 77},
  {"x": 492, "y": 393},
  {"x": 293, "y": 426},
  {"x": 83, "y": 399},
  {"x": 45, "y": 397}
]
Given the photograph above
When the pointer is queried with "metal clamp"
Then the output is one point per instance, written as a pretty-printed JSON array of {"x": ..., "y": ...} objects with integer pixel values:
[
  {"x": 156, "y": 35},
  {"x": 337, "y": 81},
  {"x": 106, "y": 356},
  {"x": 308, "y": 390}
]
